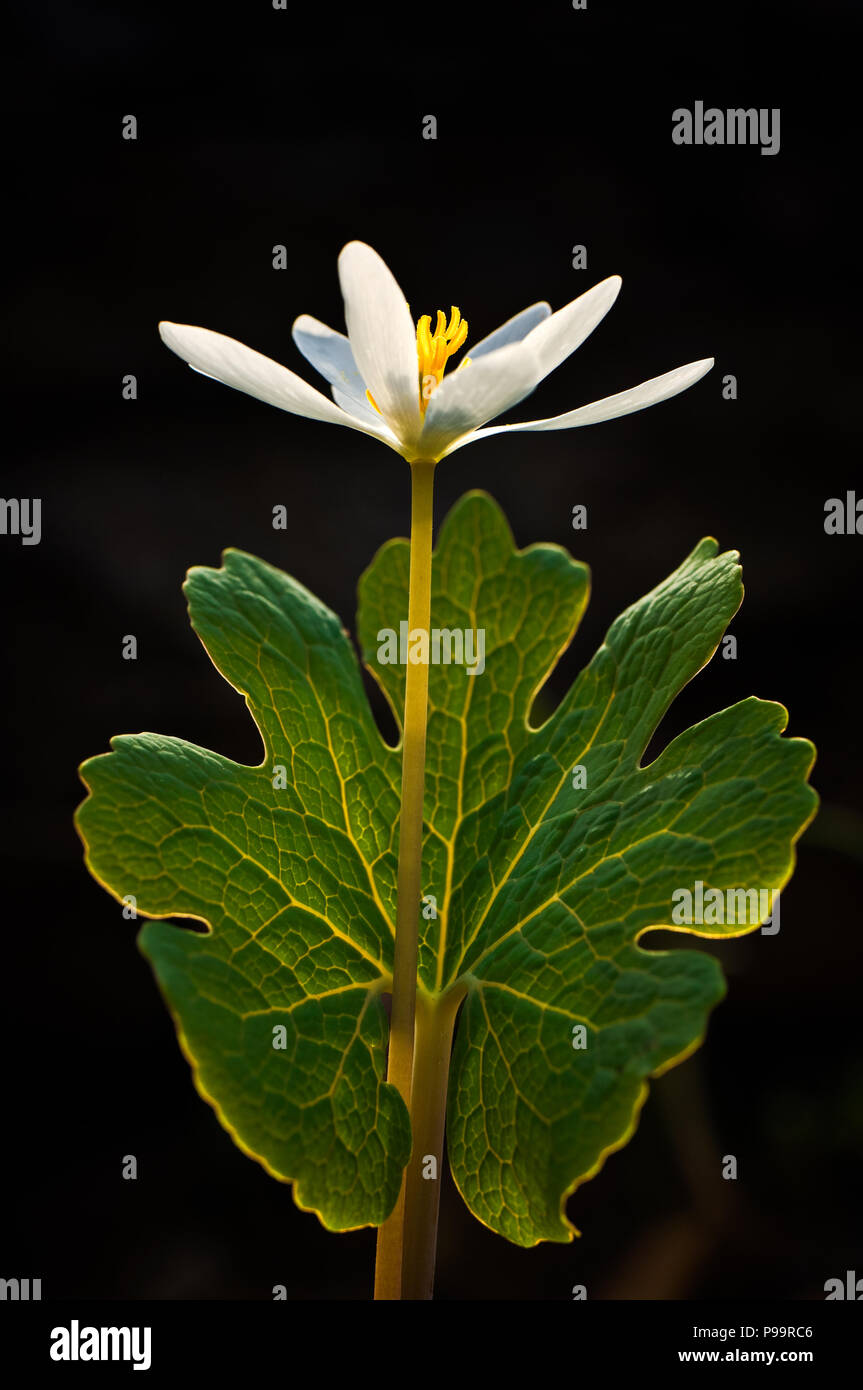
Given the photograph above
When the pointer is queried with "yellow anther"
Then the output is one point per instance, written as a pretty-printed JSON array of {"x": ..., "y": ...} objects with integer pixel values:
[
  {"x": 460, "y": 335},
  {"x": 434, "y": 348}
]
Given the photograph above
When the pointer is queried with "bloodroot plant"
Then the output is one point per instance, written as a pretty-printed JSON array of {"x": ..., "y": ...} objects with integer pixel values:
[{"x": 494, "y": 876}]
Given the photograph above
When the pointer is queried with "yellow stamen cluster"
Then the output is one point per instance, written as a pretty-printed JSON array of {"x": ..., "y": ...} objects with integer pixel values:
[{"x": 433, "y": 349}]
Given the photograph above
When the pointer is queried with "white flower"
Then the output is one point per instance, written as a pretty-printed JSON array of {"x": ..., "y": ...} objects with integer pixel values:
[{"x": 387, "y": 376}]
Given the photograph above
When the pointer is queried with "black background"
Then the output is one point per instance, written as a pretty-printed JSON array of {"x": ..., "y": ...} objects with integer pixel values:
[{"x": 259, "y": 127}]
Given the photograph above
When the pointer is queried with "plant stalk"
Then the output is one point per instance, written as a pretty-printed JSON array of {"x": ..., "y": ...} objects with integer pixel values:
[
  {"x": 391, "y": 1235},
  {"x": 435, "y": 1019}
]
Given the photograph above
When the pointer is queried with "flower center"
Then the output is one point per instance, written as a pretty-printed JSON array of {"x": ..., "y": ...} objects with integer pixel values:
[{"x": 433, "y": 350}]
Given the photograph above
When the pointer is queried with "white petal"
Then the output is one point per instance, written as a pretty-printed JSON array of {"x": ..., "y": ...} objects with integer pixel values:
[
  {"x": 239, "y": 366},
  {"x": 477, "y": 393},
  {"x": 382, "y": 337},
  {"x": 659, "y": 388},
  {"x": 512, "y": 331},
  {"x": 330, "y": 353},
  {"x": 556, "y": 337},
  {"x": 361, "y": 410}
]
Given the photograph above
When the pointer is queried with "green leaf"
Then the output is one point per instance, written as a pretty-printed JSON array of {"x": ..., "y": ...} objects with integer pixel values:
[
  {"x": 545, "y": 890},
  {"x": 297, "y": 884}
]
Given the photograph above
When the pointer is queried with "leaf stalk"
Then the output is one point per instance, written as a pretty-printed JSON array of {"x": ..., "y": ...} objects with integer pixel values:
[{"x": 400, "y": 1061}]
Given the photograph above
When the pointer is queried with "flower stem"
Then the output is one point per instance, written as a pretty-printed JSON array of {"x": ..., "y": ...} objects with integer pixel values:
[{"x": 391, "y": 1235}]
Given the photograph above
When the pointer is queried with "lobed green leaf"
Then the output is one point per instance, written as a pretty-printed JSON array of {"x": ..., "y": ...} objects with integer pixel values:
[{"x": 545, "y": 884}]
